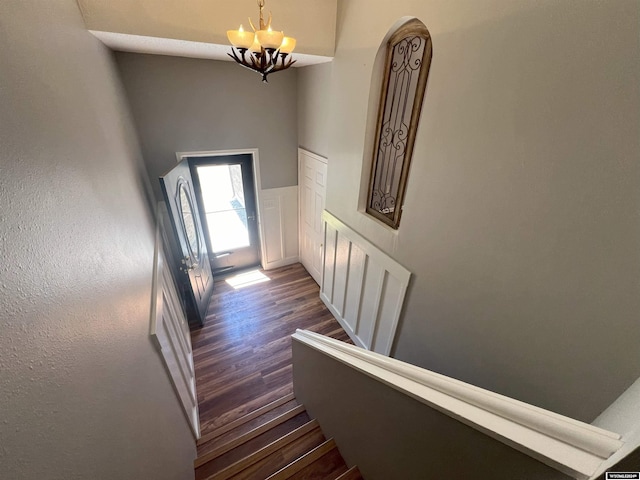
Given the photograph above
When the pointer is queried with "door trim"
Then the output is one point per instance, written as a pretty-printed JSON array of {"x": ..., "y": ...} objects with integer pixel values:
[{"x": 256, "y": 183}]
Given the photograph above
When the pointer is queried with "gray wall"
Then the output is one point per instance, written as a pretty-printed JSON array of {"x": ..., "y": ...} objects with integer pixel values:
[
  {"x": 186, "y": 104},
  {"x": 314, "y": 83},
  {"x": 391, "y": 436},
  {"x": 521, "y": 221},
  {"x": 83, "y": 392},
  {"x": 623, "y": 417}
]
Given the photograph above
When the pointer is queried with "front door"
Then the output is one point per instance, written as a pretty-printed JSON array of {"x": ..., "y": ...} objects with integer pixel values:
[
  {"x": 224, "y": 186},
  {"x": 195, "y": 270}
]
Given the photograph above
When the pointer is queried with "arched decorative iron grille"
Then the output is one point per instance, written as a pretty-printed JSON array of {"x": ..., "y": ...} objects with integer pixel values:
[{"x": 404, "y": 82}]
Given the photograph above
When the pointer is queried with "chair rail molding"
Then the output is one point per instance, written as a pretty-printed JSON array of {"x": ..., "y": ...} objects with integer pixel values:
[{"x": 570, "y": 446}]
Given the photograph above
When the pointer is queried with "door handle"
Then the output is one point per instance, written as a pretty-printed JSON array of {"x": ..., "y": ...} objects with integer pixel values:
[
  {"x": 187, "y": 265},
  {"x": 187, "y": 268}
]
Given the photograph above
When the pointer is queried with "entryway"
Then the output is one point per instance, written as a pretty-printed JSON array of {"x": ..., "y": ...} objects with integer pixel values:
[{"x": 225, "y": 190}]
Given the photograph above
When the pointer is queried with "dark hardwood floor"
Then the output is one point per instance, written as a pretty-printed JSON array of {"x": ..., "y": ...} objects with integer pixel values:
[{"x": 242, "y": 354}]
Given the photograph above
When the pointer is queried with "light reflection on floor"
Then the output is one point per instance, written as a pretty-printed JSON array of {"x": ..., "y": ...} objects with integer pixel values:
[{"x": 247, "y": 279}]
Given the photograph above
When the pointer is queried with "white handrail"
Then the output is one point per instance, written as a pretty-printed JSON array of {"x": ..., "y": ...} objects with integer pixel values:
[{"x": 570, "y": 446}]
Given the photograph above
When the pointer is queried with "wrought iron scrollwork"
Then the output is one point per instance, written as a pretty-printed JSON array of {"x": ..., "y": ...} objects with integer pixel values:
[{"x": 408, "y": 59}]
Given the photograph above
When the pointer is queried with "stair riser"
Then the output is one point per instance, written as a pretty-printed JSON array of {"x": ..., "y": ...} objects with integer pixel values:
[{"x": 251, "y": 446}]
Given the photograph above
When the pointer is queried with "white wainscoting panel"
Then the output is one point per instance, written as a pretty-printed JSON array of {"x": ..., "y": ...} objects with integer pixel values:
[
  {"x": 279, "y": 226},
  {"x": 170, "y": 333},
  {"x": 362, "y": 286}
]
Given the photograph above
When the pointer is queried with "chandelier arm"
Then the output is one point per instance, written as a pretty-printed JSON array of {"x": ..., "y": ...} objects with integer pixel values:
[
  {"x": 265, "y": 61},
  {"x": 255, "y": 59},
  {"x": 284, "y": 64},
  {"x": 272, "y": 53},
  {"x": 234, "y": 55},
  {"x": 261, "y": 60}
]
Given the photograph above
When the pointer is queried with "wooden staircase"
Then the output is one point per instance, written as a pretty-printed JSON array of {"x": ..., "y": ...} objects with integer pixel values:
[{"x": 275, "y": 442}]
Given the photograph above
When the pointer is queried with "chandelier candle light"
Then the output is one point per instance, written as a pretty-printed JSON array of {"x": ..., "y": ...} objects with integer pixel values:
[{"x": 268, "y": 49}]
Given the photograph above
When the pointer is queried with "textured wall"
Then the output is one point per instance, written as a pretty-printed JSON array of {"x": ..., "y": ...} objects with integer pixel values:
[
  {"x": 314, "y": 84},
  {"x": 521, "y": 219},
  {"x": 83, "y": 393},
  {"x": 186, "y": 104}
]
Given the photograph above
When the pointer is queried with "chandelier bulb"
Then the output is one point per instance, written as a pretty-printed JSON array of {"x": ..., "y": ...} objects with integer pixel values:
[{"x": 269, "y": 49}]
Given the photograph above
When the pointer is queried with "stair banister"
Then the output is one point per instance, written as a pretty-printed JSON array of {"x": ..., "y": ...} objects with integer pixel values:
[{"x": 569, "y": 446}]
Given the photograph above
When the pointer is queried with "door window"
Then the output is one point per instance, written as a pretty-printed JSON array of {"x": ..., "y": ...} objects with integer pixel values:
[{"x": 225, "y": 206}]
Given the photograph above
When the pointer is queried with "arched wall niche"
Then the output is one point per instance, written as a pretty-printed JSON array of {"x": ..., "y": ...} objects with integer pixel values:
[{"x": 398, "y": 84}]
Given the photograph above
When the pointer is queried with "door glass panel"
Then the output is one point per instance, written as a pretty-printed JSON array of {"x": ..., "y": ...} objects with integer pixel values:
[
  {"x": 224, "y": 206},
  {"x": 188, "y": 222}
]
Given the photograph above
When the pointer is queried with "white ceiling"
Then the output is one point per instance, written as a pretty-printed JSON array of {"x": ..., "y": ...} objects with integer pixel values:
[
  {"x": 197, "y": 28},
  {"x": 123, "y": 42}
]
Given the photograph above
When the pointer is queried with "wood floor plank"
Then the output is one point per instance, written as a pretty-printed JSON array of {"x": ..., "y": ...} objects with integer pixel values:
[
  {"x": 245, "y": 427},
  {"x": 243, "y": 408},
  {"x": 245, "y": 419},
  {"x": 242, "y": 355}
]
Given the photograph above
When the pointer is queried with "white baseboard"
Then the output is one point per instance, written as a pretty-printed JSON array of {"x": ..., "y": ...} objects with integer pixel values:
[{"x": 281, "y": 263}]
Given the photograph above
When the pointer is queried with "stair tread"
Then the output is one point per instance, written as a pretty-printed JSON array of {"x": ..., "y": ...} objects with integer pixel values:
[
  {"x": 328, "y": 466},
  {"x": 242, "y": 429},
  {"x": 264, "y": 452},
  {"x": 305, "y": 460},
  {"x": 245, "y": 419},
  {"x": 250, "y": 447},
  {"x": 230, "y": 445},
  {"x": 239, "y": 411},
  {"x": 352, "y": 474},
  {"x": 282, "y": 457}
]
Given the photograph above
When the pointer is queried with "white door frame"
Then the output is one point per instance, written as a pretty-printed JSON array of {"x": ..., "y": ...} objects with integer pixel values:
[{"x": 256, "y": 182}]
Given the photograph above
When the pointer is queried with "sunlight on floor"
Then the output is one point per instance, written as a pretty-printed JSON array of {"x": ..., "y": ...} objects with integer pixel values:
[{"x": 247, "y": 279}]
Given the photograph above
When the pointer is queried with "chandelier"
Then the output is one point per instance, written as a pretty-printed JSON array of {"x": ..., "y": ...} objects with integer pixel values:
[{"x": 265, "y": 50}]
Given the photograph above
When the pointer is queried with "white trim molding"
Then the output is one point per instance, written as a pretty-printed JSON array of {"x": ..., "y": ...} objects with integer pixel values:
[
  {"x": 126, "y": 42},
  {"x": 363, "y": 287},
  {"x": 570, "y": 446}
]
